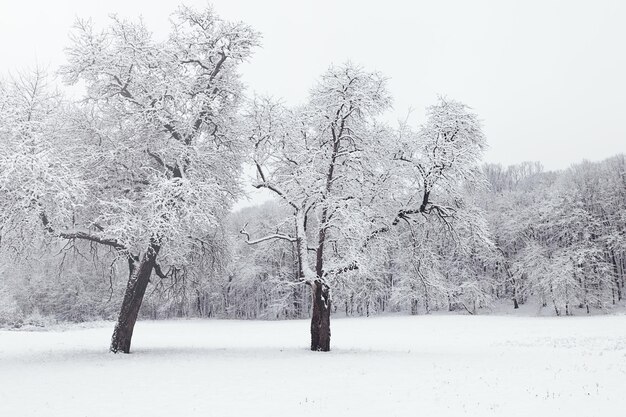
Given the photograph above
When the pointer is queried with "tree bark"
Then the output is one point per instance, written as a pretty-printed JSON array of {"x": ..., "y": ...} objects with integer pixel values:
[
  {"x": 135, "y": 290},
  {"x": 320, "y": 319}
]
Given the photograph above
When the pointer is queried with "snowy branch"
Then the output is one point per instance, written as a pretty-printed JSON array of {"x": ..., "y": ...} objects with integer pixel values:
[
  {"x": 80, "y": 235},
  {"x": 274, "y": 236}
]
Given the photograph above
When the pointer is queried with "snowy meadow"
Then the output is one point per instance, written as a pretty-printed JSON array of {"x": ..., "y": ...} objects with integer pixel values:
[{"x": 446, "y": 365}]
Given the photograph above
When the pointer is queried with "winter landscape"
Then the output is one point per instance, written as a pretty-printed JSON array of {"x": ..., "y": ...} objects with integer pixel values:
[{"x": 239, "y": 209}]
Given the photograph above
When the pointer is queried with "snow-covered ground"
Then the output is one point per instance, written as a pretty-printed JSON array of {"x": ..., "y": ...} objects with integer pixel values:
[{"x": 385, "y": 366}]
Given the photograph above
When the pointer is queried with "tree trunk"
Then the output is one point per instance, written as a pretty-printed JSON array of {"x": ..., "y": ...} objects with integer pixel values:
[
  {"x": 616, "y": 271},
  {"x": 135, "y": 290},
  {"x": 320, "y": 319}
]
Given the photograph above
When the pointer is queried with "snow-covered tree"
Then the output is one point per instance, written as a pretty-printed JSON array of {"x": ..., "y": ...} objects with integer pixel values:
[
  {"x": 319, "y": 160},
  {"x": 160, "y": 122},
  {"x": 349, "y": 179},
  {"x": 158, "y": 156}
]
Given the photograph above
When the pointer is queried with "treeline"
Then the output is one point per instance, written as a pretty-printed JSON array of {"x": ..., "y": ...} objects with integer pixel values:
[
  {"x": 561, "y": 236},
  {"x": 558, "y": 240}
]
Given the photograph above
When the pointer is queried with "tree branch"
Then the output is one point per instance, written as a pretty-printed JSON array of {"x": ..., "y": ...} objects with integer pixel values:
[
  {"x": 342, "y": 270},
  {"x": 266, "y": 184},
  {"x": 79, "y": 235},
  {"x": 282, "y": 236},
  {"x": 159, "y": 272}
]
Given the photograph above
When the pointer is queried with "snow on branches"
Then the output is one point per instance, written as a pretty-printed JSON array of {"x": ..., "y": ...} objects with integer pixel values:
[
  {"x": 351, "y": 180},
  {"x": 161, "y": 116}
]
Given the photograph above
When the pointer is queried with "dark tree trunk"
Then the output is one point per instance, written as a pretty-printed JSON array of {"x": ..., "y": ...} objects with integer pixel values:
[
  {"x": 135, "y": 290},
  {"x": 616, "y": 271},
  {"x": 515, "y": 303},
  {"x": 320, "y": 319}
]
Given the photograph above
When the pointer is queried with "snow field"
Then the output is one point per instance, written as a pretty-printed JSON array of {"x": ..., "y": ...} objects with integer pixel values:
[{"x": 383, "y": 366}]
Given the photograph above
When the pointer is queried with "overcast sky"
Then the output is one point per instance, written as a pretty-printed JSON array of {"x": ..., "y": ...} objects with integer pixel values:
[{"x": 548, "y": 78}]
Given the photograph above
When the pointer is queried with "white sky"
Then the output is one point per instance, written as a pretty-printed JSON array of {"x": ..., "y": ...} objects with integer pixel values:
[{"x": 547, "y": 77}]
